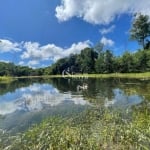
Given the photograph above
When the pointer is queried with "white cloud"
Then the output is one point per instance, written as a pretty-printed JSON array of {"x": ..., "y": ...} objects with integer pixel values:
[
  {"x": 6, "y": 61},
  {"x": 33, "y": 62},
  {"x": 107, "y": 42},
  {"x": 107, "y": 30},
  {"x": 35, "y": 53},
  {"x": 100, "y": 11},
  {"x": 32, "y": 50},
  {"x": 8, "y": 46},
  {"x": 21, "y": 63}
]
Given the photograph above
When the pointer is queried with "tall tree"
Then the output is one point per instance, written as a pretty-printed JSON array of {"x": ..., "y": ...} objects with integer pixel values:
[
  {"x": 100, "y": 64},
  {"x": 105, "y": 62},
  {"x": 140, "y": 30},
  {"x": 87, "y": 60},
  {"x": 127, "y": 63}
]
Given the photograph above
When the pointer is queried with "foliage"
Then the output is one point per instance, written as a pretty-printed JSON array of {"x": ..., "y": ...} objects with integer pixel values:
[
  {"x": 127, "y": 63},
  {"x": 105, "y": 62},
  {"x": 95, "y": 129},
  {"x": 10, "y": 69},
  {"x": 81, "y": 63},
  {"x": 88, "y": 61},
  {"x": 141, "y": 29}
]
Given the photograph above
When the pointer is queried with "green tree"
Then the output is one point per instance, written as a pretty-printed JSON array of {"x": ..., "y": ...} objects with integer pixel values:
[
  {"x": 141, "y": 62},
  {"x": 109, "y": 61},
  {"x": 100, "y": 65},
  {"x": 87, "y": 60},
  {"x": 105, "y": 62},
  {"x": 59, "y": 66},
  {"x": 140, "y": 30},
  {"x": 127, "y": 63}
]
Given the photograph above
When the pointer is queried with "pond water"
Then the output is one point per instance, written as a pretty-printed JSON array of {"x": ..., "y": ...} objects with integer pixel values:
[{"x": 28, "y": 101}]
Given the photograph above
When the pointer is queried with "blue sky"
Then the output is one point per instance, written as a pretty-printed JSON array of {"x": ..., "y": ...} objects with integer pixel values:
[{"x": 37, "y": 33}]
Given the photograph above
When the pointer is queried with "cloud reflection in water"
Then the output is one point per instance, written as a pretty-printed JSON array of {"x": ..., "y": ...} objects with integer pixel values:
[
  {"x": 36, "y": 97},
  {"x": 122, "y": 100}
]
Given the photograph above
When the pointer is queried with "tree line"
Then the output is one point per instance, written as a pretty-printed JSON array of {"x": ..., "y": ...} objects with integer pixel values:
[
  {"x": 10, "y": 69},
  {"x": 90, "y": 61}
]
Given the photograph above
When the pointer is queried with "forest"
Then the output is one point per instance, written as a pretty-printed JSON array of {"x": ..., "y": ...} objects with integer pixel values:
[{"x": 88, "y": 61}]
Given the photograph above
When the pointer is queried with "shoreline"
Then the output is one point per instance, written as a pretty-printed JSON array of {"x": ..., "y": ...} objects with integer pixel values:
[{"x": 143, "y": 76}]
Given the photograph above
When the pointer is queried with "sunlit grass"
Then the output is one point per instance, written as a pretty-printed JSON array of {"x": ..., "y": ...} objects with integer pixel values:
[
  {"x": 123, "y": 75},
  {"x": 6, "y": 79},
  {"x": 143, "y": 76},
  {"x": 94, "y": 129}
]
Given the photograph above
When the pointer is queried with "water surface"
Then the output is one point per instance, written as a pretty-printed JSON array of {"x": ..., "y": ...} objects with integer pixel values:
[{"x": 29, "y": 101}]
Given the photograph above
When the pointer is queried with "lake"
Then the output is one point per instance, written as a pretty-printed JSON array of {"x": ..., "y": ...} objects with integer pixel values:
[{"x": 25, "y": 102}]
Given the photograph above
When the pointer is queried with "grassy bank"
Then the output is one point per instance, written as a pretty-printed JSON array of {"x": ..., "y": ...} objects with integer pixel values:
[
  {"x": 5, "y": 79},
  {"x": 143, "y": 76},
  {"x": 96, "y": 129}
]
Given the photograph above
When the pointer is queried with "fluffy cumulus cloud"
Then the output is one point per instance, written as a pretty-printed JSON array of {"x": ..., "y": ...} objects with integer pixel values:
[
  {"x": 100, "y": 11},
  {"x": 8, "y": 46},
  {"x": 36, "y": 53},
  {"x": 107, "y": 42},
  {"x": 32, "y": 53}
]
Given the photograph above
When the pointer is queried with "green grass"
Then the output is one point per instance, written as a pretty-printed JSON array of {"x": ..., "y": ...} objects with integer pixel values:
[
  {"x": 118, "y": 75},
  {"x": 6, "y": 79},
  {"x": 145, "y": 75},
  {"x": 95, "y": 129}
]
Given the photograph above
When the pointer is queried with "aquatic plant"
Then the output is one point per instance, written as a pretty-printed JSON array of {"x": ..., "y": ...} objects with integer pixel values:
[{"x": 93, "y": 129}]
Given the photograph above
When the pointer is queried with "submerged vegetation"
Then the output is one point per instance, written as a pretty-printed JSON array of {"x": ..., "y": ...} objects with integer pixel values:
[{"x": 97, "y": 128}]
